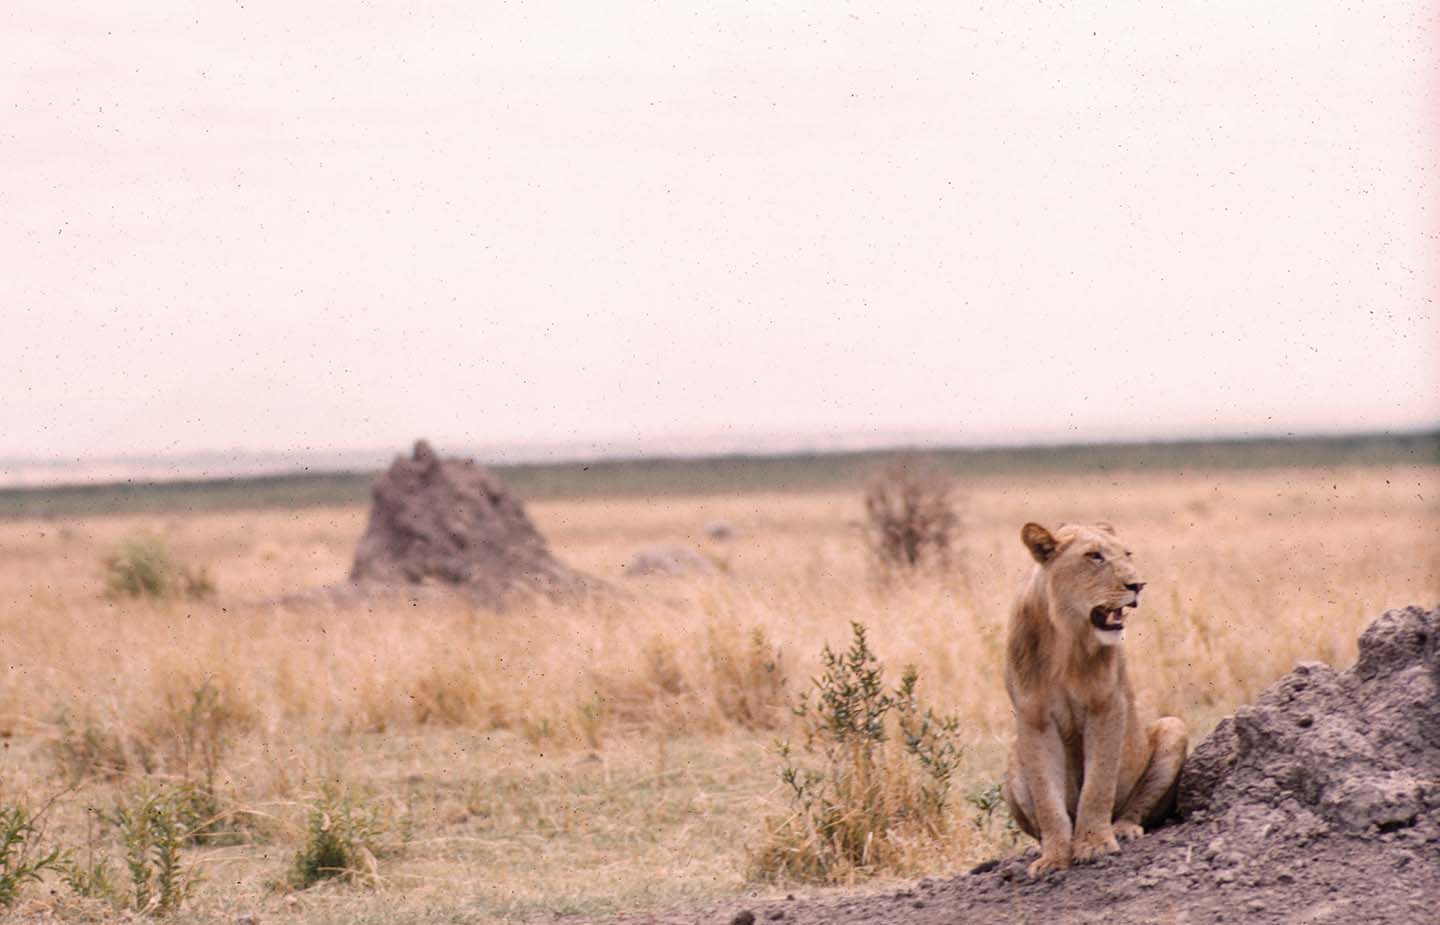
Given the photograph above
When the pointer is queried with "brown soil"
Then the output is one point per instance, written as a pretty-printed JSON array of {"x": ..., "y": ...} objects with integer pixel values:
[
  {"x": 1319, "y": 803},
  {"x": 453, "y": 524}
]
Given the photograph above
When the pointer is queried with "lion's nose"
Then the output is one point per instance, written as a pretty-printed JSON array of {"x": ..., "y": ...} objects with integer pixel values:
[{"x": 1135, "y": 586}]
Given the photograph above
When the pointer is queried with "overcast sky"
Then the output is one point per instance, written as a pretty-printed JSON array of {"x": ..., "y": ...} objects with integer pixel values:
[{"x": 278, "y": 225}]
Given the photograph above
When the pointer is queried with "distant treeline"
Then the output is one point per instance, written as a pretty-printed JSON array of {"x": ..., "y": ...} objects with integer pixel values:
[{"x": 723, "y": 474}]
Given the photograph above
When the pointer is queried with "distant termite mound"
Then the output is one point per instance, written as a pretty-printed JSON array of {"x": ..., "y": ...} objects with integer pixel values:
[{"x": 451, "y": 522}]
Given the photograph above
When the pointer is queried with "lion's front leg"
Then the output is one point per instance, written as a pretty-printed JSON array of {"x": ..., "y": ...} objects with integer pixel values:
[
  {"x": 1039, "y": 794},
  {"x": 1104, "y": 738}
]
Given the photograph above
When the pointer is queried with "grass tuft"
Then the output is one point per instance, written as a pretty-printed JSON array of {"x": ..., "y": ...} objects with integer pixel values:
[{"x": 141, "y": 566}]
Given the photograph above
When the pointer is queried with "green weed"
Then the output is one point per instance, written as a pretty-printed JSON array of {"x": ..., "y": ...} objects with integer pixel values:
[
  {"x": 153, "y": 831},
  {"x": 20, "y": 862},
  {"x": 879, "y": 791}
]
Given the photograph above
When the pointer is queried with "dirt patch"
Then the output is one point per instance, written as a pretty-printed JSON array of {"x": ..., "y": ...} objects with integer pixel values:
[
  {"x": 452, "y": 523},
  {"x": 1319, "y": 803}
]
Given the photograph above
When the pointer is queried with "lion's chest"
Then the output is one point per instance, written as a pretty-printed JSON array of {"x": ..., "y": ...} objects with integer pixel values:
[
  {"x": 1071, "y": 709},
  {"x": 1067, "y": 716}
]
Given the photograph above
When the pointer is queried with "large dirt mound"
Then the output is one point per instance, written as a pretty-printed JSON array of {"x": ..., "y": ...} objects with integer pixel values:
[
  {"x": 1319, "y": 803},
  {"x": 453, "y": 523},
  {"x": 1355, "y": 751}
]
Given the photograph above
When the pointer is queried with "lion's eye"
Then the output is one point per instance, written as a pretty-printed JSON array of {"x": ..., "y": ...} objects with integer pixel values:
[{"x": 1095, "y": 556}]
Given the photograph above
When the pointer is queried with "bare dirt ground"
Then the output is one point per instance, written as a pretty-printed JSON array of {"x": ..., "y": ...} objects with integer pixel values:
[{"x": 1319, "y": 803}]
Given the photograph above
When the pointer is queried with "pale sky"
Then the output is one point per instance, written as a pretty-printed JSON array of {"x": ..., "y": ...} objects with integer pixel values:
[{"x": 280, "y": 226}]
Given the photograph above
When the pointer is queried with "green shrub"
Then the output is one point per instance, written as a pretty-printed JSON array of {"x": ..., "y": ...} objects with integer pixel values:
[
  {"x": 141, "y": 566},
  {"x": 342, "y": 840},
  {"x": 19, "y": 863},
  {"x": 877, "y": 782}
]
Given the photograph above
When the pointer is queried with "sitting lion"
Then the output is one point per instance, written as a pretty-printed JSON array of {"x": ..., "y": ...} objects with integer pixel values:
[{"x": 1084, "y": 770}]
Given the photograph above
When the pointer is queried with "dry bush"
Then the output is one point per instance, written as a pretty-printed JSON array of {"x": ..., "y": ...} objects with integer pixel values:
[
  {"x": 911, "y": 519},
  {"x": 86, "y": 745},
  {"x": 748, "y": 682}
]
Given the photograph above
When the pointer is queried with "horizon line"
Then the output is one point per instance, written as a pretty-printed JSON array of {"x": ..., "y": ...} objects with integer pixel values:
[{"x": 21, "y": 474}]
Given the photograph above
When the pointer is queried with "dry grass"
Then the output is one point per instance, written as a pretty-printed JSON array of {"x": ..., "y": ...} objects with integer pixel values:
[{"x": 617, "y": 754}]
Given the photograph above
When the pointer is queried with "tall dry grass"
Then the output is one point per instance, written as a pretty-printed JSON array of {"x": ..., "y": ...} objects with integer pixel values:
[{"x": 550, "y": 743}]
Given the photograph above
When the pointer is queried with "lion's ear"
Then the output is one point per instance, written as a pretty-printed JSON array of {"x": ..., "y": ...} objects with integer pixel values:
[
  {"x": 1039, "y": 541},
  {"x": 1105, "y": 525}
]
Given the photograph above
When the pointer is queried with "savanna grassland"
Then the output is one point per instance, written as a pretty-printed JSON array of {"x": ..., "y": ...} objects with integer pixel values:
[{"x": 617, "y": 753}]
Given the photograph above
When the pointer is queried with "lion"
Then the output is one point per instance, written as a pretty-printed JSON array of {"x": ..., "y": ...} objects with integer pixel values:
[{"x": 1083, "y": 771}]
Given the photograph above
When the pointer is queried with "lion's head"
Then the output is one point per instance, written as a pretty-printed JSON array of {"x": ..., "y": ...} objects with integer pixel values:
[{"x": 1089, "y": 576}]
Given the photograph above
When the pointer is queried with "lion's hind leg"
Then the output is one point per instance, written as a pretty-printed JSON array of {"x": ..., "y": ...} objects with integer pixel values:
[
  {"x": 1022, "y": 808},
  {"x": 1153, "y": 797}
]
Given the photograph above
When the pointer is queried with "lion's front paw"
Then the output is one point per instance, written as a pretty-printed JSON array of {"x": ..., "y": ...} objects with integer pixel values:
[
  {"x": 1089, "y": 847},
  {"x": 1048, "y": 862},
  {"x": 1125, "y": 830}
]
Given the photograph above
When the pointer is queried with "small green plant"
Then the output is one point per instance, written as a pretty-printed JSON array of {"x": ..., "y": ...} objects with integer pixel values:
[
  {"x": 93, "y": 878},
  {"x": 19, "y": 862},
  {"x": 153, "y": 832},
  {"x": 590, "y": 721},
  {"x": 933, "y": 741},
  {"x": 342, "y": 840},
  {"x": 203, "y": 818},
  {"x": 141, "y": 566},
  {"x": 987, "y": 801},
  {"x": 882, "y": 780},
  {"x": 537, "y": 729}
]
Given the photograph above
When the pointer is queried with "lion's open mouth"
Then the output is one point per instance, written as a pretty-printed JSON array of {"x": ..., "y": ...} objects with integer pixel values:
[{"x": 1104, "y": 618}]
